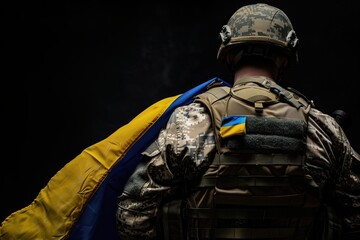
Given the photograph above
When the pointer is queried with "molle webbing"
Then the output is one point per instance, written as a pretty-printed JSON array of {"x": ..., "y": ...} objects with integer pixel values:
[
  {"x": 254, "y": 159},
  {"x": 250, "y": 212},
  {"x": 256, "y": 186},
  {"x": 250, "y": 223},
  {"x": 232, "y": 182},
  {"x": 172, "y": 221},
  {"x": 248, "y": 233}
]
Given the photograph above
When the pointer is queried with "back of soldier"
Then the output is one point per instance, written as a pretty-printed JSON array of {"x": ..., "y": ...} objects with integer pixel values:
[
  {"x": 254, "y": 161},
  {"x": 257, "y": 186}
]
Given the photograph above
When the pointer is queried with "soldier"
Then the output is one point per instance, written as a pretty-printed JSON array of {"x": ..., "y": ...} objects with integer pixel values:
[{"x": 251, "y": 161}]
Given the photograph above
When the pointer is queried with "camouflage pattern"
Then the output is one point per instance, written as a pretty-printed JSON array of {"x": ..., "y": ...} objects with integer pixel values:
[
  {"x": 185, "y": 148},
  {"x": 335, "y": 166},
  {"x": 258, "y": 23}
]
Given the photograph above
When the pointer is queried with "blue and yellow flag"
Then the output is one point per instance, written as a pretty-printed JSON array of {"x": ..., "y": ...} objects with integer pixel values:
[
  {"x": 79, "y": 201},
  {"x": 233, "y": 125}
]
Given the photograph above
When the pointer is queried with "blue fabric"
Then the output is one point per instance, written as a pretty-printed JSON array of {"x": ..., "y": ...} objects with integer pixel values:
[{"x": 98, "y": 220}]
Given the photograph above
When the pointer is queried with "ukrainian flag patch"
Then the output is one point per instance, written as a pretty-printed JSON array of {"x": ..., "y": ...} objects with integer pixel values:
[{"x": 233, "y": 125}]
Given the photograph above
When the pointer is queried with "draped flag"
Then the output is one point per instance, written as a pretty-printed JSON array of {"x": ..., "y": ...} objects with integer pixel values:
[{"x": 79, "y": 201}]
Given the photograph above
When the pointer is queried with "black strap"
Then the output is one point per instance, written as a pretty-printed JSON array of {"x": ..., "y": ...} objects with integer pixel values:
[
  {"x": 227, "y": 182},
  {"x": 252, "y": 212},
  {"x": 295, "y": 200},
  {"x": 248, "y": 233},
  {"x": 259, "y": 159}
]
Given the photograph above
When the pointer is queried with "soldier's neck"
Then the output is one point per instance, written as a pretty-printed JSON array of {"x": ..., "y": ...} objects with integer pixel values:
[{"x": 251, "y": 71}]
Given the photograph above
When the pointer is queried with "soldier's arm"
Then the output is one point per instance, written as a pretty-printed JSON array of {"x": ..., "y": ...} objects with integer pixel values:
[
  {"x": 336, "y": 167},
  {"x": 182, "y": 149}
]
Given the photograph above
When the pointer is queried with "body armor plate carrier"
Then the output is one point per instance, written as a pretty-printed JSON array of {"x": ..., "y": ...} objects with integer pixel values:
[{"x": 257, "y": 186}]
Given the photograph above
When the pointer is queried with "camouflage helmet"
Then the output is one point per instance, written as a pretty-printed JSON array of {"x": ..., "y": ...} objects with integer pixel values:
[{"x": 259, "y": 29}]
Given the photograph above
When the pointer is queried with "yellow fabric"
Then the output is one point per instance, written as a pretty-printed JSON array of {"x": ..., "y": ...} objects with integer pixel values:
[
  {"x": 233, "y": 125},
  {"x": 229, "y": 131},
  {"x": 57, "y": 206}
]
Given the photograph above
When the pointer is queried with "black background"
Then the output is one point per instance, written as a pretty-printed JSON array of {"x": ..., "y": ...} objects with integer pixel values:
[{"x": 74, "y": 72}]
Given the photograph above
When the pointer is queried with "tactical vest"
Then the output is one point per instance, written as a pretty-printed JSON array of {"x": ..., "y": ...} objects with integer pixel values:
[{"x": 257, "y": 186}]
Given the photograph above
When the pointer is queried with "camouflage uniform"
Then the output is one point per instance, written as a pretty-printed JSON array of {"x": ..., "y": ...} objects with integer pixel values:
[
  {"x": 184, "y": 150},
  {"x": 185, "y": 147}
]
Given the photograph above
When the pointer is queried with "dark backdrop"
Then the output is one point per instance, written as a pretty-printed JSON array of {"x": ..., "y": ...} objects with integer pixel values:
[{"x": 72, "y": 73}]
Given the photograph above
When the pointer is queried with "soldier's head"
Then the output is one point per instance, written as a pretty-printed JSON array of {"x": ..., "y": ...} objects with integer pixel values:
[{"x": 258, "y": 31}]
